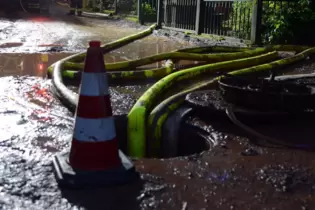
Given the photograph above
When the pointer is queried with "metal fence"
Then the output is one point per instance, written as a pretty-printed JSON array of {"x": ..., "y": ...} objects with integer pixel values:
[
  {"x": 180, "y": 14},
  {"x": 244, "y": 19},
  {"x": 226, "y": 18}
]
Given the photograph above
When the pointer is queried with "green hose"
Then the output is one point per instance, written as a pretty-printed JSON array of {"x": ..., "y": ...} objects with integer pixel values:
[
  {"x": 79, "y": 57},
  {"x": 68, "y": 97},
  {"x": 120, "y": 66},
  {"x": 161, "y": 112},
  {"x": 231, "y": 59},
  {"x": 157, "y": 73},
  {"x": 138, "y": 114},
  {"x": 117, "y": 43}
]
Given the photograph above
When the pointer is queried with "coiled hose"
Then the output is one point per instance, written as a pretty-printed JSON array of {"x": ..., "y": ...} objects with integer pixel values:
[
  {"x": 160, "y": 113},
  {"x": 279, "y": 144}
]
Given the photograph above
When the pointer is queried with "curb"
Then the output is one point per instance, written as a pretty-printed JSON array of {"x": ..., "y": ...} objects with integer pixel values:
[{"x": 96, "y": 15}]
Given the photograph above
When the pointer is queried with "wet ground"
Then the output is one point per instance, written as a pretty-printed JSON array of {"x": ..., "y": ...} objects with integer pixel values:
[
  {"x": 35, "y": 126},
  {"x": 236, "y": 174}
]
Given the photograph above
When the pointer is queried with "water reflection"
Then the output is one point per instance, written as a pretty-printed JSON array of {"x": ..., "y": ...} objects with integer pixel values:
[
  {"x": 35, "y": 64},
  {"x": 150, "y": 46},
  {"x": 27, "y": 64}
]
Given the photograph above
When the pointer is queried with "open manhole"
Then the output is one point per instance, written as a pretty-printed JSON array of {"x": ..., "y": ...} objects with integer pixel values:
[
  {"x": 193, "y": 139},
  {"x": 180, "y": 138}
]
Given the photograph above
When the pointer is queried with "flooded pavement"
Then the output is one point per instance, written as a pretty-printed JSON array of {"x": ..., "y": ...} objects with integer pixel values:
[
  {"x": 60, "y": 33},
  {"x": 35, "y": 126},
  {"x": 234, "y": 174},
  {"x": 31, "y": 129},
  {"x": 34, "y": 64}
]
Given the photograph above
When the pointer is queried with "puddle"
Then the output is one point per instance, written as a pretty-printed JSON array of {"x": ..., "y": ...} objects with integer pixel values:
[
  {"x": 61, "y": 33},
  {"x": 27, "y": 64},
  {"x": 31, "y": 115},
  {"x": 35, "y": 64}
]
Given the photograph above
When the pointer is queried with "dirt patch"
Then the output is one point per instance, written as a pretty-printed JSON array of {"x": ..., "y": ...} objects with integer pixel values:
[
  {"x": 200, "y": 40},
  {"x": 236, "y": 174}
]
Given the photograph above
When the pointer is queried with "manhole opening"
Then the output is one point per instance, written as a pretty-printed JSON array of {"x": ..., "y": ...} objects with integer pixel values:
[
  {"x": 189, "y": 140},
  {"x": 192, "y": 140}
]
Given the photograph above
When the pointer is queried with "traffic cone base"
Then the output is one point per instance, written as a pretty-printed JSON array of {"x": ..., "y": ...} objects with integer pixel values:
[
  {"x": 72, "y": 178},
  {"x": 94, "y": 159}
]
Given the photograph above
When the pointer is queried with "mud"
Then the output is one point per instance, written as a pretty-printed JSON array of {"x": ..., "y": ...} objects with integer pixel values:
[
  {"x": 207, "y": 40},
  {"x": 207, "y": 99},
  {"x": 234, "y": 173},
  {"x": 124, "y": 97},
  {"x": 303, "y": 67},
  {"x": 238, "y": 174},
  {"x": 34, "y": 127}
]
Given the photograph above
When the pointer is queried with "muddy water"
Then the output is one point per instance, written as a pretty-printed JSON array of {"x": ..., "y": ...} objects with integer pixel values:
[
  {"x": 123, "y": 97},
  {"x": 29, "y": 110},
  {"x": 59, "y": 32},
  {"x": 35, "y": 64},
  {"x": 27, "y": 64},
  {"x": 35, "y": 126}
]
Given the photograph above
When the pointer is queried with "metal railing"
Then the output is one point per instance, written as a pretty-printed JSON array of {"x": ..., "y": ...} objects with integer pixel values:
[{"x": 225, "y": 18}]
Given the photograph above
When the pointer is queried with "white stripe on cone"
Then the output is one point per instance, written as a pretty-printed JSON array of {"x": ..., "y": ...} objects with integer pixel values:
[
  {"x": 94, "y": 84},
  {"x": 94, "y": 130}
]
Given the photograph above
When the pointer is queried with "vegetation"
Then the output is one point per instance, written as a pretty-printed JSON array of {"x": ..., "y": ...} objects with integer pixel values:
[
  {"x": 282, "y": 21},
  {"x": 108, "y": 6},
  {"x": 148, "y": 10}
]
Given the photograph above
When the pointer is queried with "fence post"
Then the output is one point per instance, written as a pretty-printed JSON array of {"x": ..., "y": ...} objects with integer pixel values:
[
  {"x": 140, "y": 12},
  {"x": 159, "y": 13},
  {"x": 256, "y": 22},
  {"x": 94, "y": 5},
  {"x": 165, "y": 12},
  {"x": 199, "y": 16},
  {"x": 116, "y": 7}
]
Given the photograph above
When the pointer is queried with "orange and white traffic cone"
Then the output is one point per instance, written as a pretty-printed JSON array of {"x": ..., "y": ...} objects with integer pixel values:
[{"x": 94, "y": 157}]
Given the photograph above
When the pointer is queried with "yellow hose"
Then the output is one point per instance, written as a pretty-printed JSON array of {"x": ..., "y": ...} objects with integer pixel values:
[
  {"x": 138, "y": 114},
  {"x": 160, "y": 113},
  {"x": 149, "y": 106},
  {"x": 119, "y": 66}
]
